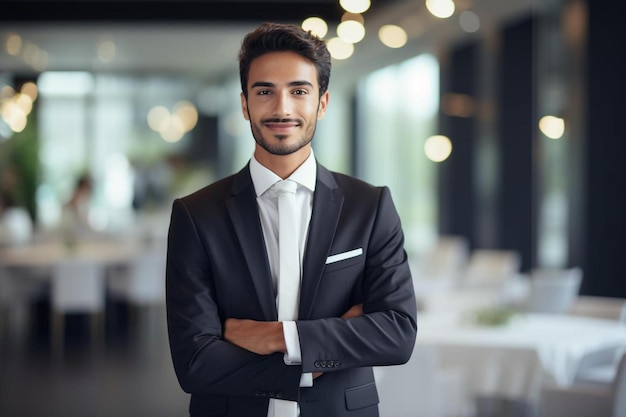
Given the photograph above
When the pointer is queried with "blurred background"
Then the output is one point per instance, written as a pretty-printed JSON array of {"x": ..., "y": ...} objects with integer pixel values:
[{"x": 493, "y": 122}]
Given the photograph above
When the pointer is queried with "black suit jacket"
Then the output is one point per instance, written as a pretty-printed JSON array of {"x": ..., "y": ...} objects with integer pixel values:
[{"x": 217, "y": 268}]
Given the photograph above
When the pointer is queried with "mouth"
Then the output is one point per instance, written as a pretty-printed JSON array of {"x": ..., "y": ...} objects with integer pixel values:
[{"x": 281, "y": 125}]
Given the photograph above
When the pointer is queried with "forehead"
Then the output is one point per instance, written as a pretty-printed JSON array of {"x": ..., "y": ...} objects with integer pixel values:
[{"x": 282, "y": 67}]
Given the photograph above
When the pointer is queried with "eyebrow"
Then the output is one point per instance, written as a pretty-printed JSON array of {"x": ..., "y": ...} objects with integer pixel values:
[{"x": 291, "y": 84}]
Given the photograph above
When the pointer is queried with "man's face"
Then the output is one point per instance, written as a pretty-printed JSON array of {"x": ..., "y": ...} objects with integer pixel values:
[{"x": 283, "y": 104}]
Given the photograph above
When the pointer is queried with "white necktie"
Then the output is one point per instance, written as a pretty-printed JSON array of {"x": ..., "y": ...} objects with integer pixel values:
[
  {"x": 288, "y": 252},
  {"x": 288, "y": 271}
]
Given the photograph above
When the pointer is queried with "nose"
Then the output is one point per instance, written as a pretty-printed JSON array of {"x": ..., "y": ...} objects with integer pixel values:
[{"x": 283, "y": 104}]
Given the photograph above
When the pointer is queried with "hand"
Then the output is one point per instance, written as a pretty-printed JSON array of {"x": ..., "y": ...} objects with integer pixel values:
[
  {"x": 261, "y": 337},
  {"x": 355, "y": 311}
]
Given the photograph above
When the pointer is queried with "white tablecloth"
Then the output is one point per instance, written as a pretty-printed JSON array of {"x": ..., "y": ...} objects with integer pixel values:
[
  {"x": 517, "y": 359},
  {"x": 46, "y": 254}
]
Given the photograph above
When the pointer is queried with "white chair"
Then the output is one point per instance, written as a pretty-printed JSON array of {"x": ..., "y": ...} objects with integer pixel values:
[
  {"x": 144, "y": 281},
  {"x": 77, "y": 286},
  {"x": 438, "y": 269},
  {"x": 599, "y": 307},
  {"x": 553, "y": 290},
  {"x": 444, "y": 260},
  {"x": 587, "y": 400},
  {"x": 599, "y": 368},
  {"x": 492, "y": 268},
  {"x": 142, "y": 287},
  {"x": 17, "y": 290}
]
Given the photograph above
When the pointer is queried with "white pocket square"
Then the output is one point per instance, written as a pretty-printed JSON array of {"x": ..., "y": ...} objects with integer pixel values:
[{"x": 344, "y": 255}]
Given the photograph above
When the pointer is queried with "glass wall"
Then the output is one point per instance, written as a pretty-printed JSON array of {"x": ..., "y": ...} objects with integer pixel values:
[{"x": 397, "y": 112}]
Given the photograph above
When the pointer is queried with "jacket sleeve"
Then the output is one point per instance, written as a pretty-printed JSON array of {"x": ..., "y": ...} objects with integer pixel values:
[
  {"x": 385, "y": 334},
  {"x": 203, "y": 361}
]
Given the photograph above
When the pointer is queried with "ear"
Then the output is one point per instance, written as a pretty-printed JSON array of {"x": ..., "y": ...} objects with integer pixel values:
[
  {"x": 244, "y": 106},
  {"x": 321, "y": 109}
]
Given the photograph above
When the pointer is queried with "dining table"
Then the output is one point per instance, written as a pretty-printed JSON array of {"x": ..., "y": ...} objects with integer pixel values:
[
  {"x": 516, "y": 356},
  {"x": 47, "y": 253},
  {"x": 27, "y": 269}
]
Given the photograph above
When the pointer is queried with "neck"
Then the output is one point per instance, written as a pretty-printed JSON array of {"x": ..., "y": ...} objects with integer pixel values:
[{"x": 282, "y": 165}]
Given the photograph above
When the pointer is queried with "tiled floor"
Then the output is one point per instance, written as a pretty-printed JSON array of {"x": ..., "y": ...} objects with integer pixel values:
[{"x": 130, "y": 375}]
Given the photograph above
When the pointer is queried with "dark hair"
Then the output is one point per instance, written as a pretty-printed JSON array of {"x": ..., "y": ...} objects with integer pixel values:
[
  {"x": 84, "y": 181},
  {"x": 275, "y": 37}
]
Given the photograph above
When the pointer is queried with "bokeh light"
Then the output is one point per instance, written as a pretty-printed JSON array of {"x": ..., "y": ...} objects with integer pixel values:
[
  {"x": 392, "y": 36},
  {"x": 438, "y": 148},
  {"x": 340, "y": 49},
  {"x": 316, "y": 25},
  {"x": 552, "y": 126},
  {"x": 351, "y": 31},
  {"x": 355, "y": 6},
  {"x": 440, "y": 8}
]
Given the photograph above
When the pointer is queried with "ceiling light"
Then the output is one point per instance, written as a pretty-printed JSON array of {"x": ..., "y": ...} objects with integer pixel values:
[
  {"x": 392, "y": 36},
  {"x": 438, "y": 148},
  {"x": 340, "y": 49},
  {"x": 440, "y": 8},
  {"x": 552, "y": 126},
  {"x": 469, "y": 21},
  {"x": 316, "y": 25},
  {"x": 355, "y": 6},
  {"x": 351, "y": 31}
]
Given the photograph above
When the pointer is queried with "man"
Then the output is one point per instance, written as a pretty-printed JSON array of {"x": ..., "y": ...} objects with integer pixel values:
[{"x": 357, "y": 309}]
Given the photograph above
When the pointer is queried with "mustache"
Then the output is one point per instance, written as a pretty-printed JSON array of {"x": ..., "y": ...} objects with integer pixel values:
[{"x": 282, "y": 120}]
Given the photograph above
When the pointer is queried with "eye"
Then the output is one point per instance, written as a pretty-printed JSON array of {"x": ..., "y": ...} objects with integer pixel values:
[
  {"x": 300, "y": 92},
  {"x": 264, "y": 92}
]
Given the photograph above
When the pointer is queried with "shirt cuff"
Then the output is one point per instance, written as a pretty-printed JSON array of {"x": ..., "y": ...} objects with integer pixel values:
[
  {"x": 293, "y": 355},
  {"x": 306, "y": 380}
]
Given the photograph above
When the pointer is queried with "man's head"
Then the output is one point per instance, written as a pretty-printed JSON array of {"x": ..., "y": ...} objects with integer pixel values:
[{"x": 274, "y": 37}]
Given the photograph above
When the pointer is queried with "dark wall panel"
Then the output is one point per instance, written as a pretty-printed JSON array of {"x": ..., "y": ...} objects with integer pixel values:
[
  {"x": 516, "y": 121},
  {"x": 457, "y": 176},
  {"x": 605, "y": 267}
]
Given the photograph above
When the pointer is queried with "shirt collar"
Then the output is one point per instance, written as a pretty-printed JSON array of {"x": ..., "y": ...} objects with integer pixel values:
[{"x": 263, "y": 178}]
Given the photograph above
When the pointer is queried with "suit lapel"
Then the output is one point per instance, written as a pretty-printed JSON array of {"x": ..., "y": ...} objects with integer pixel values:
[
  {"x": 327, "y": 203},
  {"x": 244, "y": 213}
]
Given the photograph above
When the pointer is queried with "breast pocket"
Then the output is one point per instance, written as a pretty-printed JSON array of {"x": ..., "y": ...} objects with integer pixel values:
[{"x": 344, "y": 260}]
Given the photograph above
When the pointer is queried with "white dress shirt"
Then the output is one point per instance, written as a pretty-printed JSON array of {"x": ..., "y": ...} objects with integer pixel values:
[{"x": 263, "y": 180}]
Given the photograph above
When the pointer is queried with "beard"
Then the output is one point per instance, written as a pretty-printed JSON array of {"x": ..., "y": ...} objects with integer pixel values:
[{"x": 282, "y": 146}]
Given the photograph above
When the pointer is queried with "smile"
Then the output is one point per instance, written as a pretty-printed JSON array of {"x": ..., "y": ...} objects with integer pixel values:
[{"x": 281, "y": 126}]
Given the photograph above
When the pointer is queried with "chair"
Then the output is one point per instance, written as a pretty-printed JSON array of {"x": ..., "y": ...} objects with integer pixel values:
[
  {"x": 17, "y": 290},
  {"x": 553, "y": 290},
  {"x": 144, "y": 281},
  {"x": 437, "y": 270},
  {"x": 599, "y": 307},
  {"x": 587, "y": 400},
  {"x": 141, "y": 286},
  {"x": 77, "y": 286},
  {"x": 444, "y": 260},
  {"x": 599, "y": 367},
  {"x": 491, "y": 268}
]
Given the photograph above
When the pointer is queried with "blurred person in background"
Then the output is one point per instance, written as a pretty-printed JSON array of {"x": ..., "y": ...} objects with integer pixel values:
[
  {"x": 75, "y": 216},
  {"x": 356, "y": 306}
]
